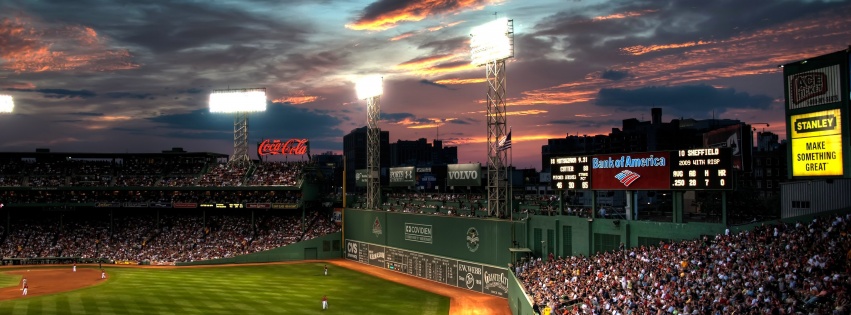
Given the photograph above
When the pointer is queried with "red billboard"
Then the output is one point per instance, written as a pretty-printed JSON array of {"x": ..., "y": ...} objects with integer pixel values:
[{"x": 631, "y": 171}]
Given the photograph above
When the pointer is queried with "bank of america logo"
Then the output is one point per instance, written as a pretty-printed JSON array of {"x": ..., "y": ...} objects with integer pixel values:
[{"x": 626, "y": 177}]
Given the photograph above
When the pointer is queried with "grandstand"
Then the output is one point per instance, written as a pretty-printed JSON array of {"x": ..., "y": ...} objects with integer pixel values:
[{"x": 158, "y": 208}]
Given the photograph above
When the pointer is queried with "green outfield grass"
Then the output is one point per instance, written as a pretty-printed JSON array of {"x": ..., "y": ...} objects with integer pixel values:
[{"x": 262, "y": 289}]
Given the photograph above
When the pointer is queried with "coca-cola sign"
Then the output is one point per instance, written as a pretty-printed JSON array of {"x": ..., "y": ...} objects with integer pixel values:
[{"x": 276, "y": 146}]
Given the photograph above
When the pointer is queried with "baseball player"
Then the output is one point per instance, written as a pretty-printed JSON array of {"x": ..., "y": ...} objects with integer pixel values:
[
  {"x": 326, "y": 270},
  {"x": 23, "y": 283},
  {"x": 102, "y": 274},
  {"x": 75, "y": 267},
  {"x": 324, "y": 301},
  {"x": 26, "y": 286}
]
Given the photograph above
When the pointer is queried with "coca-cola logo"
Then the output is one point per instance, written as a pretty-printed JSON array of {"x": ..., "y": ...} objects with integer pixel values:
[{"x": 276, "y": 146}]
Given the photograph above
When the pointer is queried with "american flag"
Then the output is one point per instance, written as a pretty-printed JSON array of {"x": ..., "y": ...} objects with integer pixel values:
[{"x": 504, "y": 142}]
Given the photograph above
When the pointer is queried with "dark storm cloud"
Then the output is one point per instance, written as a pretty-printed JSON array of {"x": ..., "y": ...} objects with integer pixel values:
[
  {"x": 432, "y": 83},
  {"x": 88, "y": 114},
  {"x": 166, "y": 26},
  {"x": 687, "y": 98},
  {"x": 279, "y": 120},
  {"x": 614, "y": 75},
  {"x": 595, "y": 37},
  {"x": 59, "y": 93},
  {"x": 587, "y": 123},
  {"x": 463, "y": 121},
  {"x": 133, "y": 95},
  {"x": 397, "y": 117}
]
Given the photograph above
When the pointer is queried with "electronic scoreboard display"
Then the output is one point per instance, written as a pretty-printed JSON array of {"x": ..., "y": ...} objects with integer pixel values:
[
  {"x": 572, "y": 172},
  {"x": 702, "y": 169}
]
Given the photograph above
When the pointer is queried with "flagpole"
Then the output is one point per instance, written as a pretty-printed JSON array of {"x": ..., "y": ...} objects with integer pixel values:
[{"x": 511, "y": 180}]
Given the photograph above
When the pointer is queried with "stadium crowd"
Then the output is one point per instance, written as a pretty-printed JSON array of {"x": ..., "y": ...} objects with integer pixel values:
[
  {"x": 146, "y": 173},
  {"x": 187, "y": 236},
  {"x": 778, "y": 268},
  {"x": 162, "y": 196}
]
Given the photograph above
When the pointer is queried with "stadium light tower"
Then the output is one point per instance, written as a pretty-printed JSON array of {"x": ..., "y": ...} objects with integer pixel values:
[
  {"x": 6, "y": 104},
  {"x": 240, "y": 102},
  {"x": 490, "y": 45},
  {"x": 370, "y": 88}
]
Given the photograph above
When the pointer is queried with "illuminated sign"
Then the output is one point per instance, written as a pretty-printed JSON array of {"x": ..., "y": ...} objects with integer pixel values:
[
  {"x": 464, "y": 174},
  {"x": 814, "y": 87},
  {"x": 817, "y": 144},
  {"x": 701, "y": 169},
  {"x": 402, "y": 176},
  {"x": 631, "y": 171},
  {"x": 276, "y": 146},
  {"x": 572, "y": 172}
]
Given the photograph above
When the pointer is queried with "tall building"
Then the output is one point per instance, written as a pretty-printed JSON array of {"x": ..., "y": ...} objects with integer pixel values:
[
  {"x": 636, "y": 136},
  {"x": 354, "y": 150},
  {"x": 421, "y": 153}
]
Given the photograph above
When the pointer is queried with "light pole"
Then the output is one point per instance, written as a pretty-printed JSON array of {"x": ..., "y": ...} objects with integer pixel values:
[
  {"x": 240, "y": 102},
  {"x": 7, "y": 104},
  {"x": 490, "y": 45},
  {"x": 371, "y": 88}
]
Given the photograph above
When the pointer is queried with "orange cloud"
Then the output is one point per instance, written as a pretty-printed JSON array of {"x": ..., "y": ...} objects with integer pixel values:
[
  {"x": 435, "y": 65},
  {"x": 386, "y": 14},
  {"x": 623, "y": 15},
  {"x": 33, "y": 46},
  {"x": 296, "y": 100},
  {"x": 641, "y": 49},
  {"x": 460, "y": 81},
  {"x": 402, "y": 36}
]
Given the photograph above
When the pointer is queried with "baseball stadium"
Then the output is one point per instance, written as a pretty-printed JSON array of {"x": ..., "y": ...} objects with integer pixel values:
[{"x": 616, "y": 232}]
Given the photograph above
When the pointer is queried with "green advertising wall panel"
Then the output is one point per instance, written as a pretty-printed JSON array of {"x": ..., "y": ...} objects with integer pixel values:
[
  {"x": 473, "y": 239},
  {"x": 591, "y": 236}
]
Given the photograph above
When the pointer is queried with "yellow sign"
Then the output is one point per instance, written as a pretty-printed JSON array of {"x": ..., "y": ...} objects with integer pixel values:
[{"x": 817, "y": 144}]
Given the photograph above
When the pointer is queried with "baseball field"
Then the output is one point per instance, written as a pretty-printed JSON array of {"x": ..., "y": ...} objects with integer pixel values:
[{"x": 242, "y": 289}]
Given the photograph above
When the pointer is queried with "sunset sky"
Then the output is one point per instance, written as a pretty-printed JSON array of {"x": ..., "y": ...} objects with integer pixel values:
[{"x": 135, "y": 76}]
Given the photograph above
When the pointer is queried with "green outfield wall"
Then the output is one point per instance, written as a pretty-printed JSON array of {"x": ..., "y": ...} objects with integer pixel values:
[
  {"x": 518, "y": 301},
  {"x": 572, "y": 236},
  {"x": 485, "y": 241},
  {"x": 324, "y": 247}
]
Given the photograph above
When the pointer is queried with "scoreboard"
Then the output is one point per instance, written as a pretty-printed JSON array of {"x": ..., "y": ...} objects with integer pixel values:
[
  {"x": 692, "y": 169},
  {"x": 572, "y": 172},
  {"x": 702, "y": 169}
]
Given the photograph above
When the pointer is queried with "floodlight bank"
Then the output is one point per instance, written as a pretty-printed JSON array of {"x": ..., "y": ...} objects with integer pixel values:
[
  {"x": 6, "y": 104},
  {"x": 490, "y": 41},
  {"x": 369, "y": 87},
  {"x": 237, "y": 101}
]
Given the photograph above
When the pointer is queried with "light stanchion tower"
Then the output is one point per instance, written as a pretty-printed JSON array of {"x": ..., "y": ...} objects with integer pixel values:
[
  {"x": 7, "y": 104},
  {"x": 240, "y": 102},
  {"x": 370, "y": 88},
  {"x": 490, "y": 45}
]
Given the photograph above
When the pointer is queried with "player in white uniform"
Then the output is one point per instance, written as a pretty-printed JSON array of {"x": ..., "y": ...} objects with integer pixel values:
[
  {"x": 326, "y": 270},
  {"x": 26, "y": 286},
  {"x": 75, "y": 267},
  {"x": 324, "y": 302},
  {"x": 102, "y": 274}
]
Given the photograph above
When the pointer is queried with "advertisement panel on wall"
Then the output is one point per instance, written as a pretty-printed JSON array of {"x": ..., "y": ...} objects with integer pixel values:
[
  {"x": 817, "y": 144},
  {"x": 361, "y": 177},
  {"x": 459, "y": 273},
  {"x": 814, "y": 87},
  {"x": 631, "y": 171},
  {"x": 736, "y": 137},
  {"x": 402, "y": 176},
  {"x": 464, "y": 174}
]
